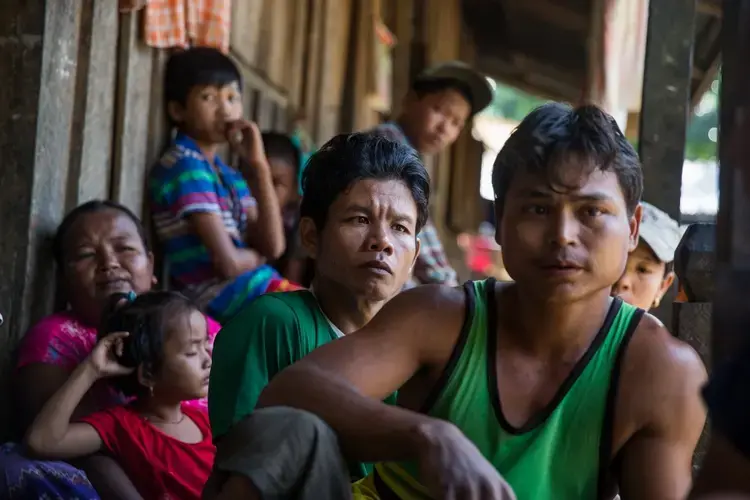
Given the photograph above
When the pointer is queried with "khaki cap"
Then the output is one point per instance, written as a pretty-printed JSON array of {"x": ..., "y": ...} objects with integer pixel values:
[{"x": 477, "y": 83}]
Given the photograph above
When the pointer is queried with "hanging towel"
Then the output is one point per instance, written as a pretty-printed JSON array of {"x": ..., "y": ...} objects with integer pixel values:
[{"x": 184, "y": 23}]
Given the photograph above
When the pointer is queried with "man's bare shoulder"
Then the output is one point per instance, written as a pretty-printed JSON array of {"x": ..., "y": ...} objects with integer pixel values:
[
  {"x": 429, "y": 315},
  {"x": 427, "y": 302},
  {"x": 661, "y": 375},
  {"x": 654, "y": 348}
]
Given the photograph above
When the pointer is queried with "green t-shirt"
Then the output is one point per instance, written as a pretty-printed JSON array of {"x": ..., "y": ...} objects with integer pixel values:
[{"x": 271, "y": 333}]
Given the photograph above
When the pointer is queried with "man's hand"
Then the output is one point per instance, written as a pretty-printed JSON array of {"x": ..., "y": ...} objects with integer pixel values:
[
  {"x": 245, "y": 139},
  {"x": 451, "y": 467}
]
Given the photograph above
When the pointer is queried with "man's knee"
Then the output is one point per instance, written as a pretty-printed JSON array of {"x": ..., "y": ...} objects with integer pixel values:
[
  {"x": 292, "y": 425},
  {"x": 277, "y": 449}
]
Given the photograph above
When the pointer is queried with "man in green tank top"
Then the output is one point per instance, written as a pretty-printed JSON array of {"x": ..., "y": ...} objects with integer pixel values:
[
  {"x": 546, "y": 384},
  {"x": 365, "y": 199}
]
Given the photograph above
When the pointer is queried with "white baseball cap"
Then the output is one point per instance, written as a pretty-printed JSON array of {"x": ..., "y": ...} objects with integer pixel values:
[{"x": 660, "y": 232}]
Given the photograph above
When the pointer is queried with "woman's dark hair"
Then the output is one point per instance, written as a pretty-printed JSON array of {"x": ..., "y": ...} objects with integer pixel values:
[
  {"x": 553, "y": 133},
  {"x": 146, "y": 318},
  {"x": 281, "y": 146},
  {"x": 427, "y": 86},
  {"x": 348, "y": 158},
  {"x": 93, "y": 206},
  {"x": 197, "y": 66}
]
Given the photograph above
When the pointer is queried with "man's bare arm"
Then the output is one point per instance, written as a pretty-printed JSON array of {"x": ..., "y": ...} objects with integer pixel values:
[
  {"x": 726, "y": 467},
  {"x": 724, "y": 470},
  {"x": 659, "y": 397},
  {"x": 345, "y": 381}
]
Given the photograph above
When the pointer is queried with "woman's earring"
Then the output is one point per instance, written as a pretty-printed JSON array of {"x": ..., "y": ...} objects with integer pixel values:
[{"x": 657, "y": 301}]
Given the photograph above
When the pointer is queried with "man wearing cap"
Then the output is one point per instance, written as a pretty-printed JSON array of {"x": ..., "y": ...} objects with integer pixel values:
[
  {"x": 439, "y": 103},
  {"x": 649, "y": 272}
]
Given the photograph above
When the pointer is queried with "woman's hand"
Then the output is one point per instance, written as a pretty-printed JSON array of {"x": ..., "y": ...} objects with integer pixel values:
[{"x": 103, "y": 359}]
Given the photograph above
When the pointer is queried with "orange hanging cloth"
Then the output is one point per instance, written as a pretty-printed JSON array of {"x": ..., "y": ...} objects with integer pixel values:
[{"x": 184, "y": 23}]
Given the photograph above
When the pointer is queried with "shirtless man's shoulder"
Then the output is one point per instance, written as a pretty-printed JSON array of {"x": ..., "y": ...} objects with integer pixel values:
[{"x": 659, "y": 413}]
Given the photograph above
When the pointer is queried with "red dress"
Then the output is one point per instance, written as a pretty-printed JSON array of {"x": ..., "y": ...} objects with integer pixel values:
[{"x": 160, "y": 466}]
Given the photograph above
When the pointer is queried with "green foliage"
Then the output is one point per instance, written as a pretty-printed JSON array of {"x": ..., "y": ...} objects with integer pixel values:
[
  {"x": 699, "y": 145},
  {"x": 512, "y": 104}
]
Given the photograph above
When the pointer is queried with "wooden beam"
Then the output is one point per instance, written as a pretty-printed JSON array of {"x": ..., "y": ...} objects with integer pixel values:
[
  {"x": 705, "y": 83},
  {"x": 333, "y": 62},
  {"x": 530, "y": 65},
  {"x": 91, "y": 157},
  {"x": 131, "y": 161},
  {"x": 666, "y": 93},
  {"x": 252, "y": 79},
  {"x": 296, "y": 53},
  {"x": 664, "y": 109},
  {"x": 246, "y": 21},
  {"x": 405, "y": 12},
  {"x": 530, "y": 83},
  {"x": 731, "y": 317},
  {"x": 552, "y": 13},
  {"x": 313, "y": 68},
  {"x": 708, "y": 7}
]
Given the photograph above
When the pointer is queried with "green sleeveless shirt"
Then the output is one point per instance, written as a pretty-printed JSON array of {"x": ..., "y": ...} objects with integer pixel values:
[{"x": 563, "y": 452}]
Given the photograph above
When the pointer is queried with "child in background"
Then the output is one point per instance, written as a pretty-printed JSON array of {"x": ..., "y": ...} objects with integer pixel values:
[
  {"x": 650, "y": 269},
  {"x": 155, "y": 348},
  {"x": 285, "y": 160},
  {"x": 216, "y": 236}
]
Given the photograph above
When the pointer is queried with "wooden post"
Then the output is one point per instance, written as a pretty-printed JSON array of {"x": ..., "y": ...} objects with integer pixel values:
[
  {"x": 664, "y": 108},
  {"x": 731, "y": 317},
  {"x": 666, "y": 93}
]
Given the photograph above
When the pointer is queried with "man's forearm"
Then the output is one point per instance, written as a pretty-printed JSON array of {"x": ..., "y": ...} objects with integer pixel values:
[{"x": 368, "y": 430}]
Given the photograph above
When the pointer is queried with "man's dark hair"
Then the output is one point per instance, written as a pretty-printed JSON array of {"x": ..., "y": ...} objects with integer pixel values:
[
  {"x": 197, "y": 66},
  {"x": 281, "y": 146},
  {"x": 348, "y": 158},
  {"x": 93, "y": 206},
  {"x": 426, "y": 86},
  {"x": 552, "y": 133},
  {"x": 146, "y": 318}
]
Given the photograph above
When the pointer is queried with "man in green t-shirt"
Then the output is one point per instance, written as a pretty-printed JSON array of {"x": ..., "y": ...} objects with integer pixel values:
[{"x": 365, "y": 199}]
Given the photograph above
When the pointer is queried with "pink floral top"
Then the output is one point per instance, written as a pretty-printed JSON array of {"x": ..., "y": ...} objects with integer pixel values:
[{"x": 60, "y": 339}]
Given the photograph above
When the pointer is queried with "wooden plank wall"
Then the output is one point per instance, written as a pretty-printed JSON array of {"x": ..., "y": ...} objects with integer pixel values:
[
  {"x": 64, "y": 92},
  {"x": 140, "y": 129}
]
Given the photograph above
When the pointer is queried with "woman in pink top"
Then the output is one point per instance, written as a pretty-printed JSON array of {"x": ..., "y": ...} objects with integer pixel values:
[{"x": 100, "y": 249}]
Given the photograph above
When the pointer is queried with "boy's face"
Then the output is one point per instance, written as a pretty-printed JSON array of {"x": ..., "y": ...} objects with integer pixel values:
[
  {"x": 435, "y": 120},
  {"x": 207, "y": 112},
  {"x": 368, "y": 245},
  {"x": 284, "y": 180},
  {"x": 560, "y": 244},
  {"x": 645, "y": 280}
]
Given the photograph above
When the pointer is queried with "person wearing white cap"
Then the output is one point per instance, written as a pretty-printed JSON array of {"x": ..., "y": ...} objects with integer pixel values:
[
  {"x": 441, "y": 101},
  {"x": 650, "y": 269}
]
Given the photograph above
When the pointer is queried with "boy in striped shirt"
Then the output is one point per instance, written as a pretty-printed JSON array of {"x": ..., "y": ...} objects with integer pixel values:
[{"x": 216, "y": 235}]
